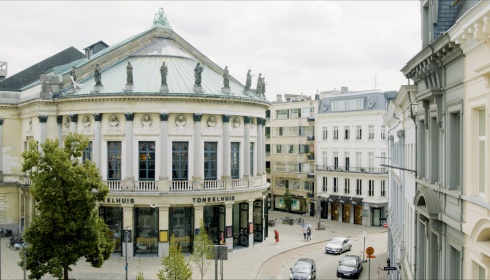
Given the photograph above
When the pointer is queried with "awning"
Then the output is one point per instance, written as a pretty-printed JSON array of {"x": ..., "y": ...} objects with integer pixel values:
[
  {"x": 333, "y": 199},
  {"x": 344, "y": 199},
  {"x": 356, "y": 201}
]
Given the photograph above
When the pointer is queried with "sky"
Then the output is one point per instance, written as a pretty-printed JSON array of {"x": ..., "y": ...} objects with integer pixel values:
[{"x": 300, "y": 47}]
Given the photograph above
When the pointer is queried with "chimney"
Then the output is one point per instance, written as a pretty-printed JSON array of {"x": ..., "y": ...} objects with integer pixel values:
[
  {"x": 3, "y": 70},
  {"x": 344, "y": 89},
  {"x": 279, "y": 98}
]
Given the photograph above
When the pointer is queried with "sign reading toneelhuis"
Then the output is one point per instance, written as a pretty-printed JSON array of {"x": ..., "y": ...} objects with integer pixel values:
[
  {"x": 213, "y": 199},
  {"x": 119, "y": 200}
]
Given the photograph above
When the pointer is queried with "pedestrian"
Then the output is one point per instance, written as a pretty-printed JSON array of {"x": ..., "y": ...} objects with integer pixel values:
[
  {"x": 308, "y": 234},
  {"x": 304, "y": 233},
  {"x": 276, "y": 236}
]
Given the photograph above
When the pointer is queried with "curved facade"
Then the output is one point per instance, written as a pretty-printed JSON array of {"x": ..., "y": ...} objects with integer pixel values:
[{"x": 173, "y": 148}]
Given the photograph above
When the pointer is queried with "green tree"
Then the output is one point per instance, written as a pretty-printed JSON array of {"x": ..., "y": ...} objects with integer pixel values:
[
  {"x": 203, "y": 250},
  {"x": 288, "y": 200},
  {"x": 175, "y": 266},
  {"x": 67, "y": 226}
]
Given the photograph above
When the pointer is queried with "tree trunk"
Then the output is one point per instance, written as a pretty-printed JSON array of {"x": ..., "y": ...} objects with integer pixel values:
[{"x": 65, "y": 273}]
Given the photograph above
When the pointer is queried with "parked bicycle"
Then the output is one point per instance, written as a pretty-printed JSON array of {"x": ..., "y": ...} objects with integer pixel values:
[
  {"x": 15, "y": 243},
  {"x": 5, "y": 232},
  {"x": 300, "y": 221},
  {"x": 288, "y": 220},
  {"x": 273, "y": 222}
]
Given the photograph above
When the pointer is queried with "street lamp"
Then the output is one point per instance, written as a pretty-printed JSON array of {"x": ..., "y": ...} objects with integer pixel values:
[
  {"x": 2, "y": 234},
  {"x": 126, "y": 240}
]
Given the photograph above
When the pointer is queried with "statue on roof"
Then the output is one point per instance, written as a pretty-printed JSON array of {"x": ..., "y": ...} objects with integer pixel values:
[
  {"x": 226, "y": 78},
  {"x": 197, "y": 74},
  {"x": 258, "y": 90},
  {"x": 160, "y": 18},
  {"x": 163, "y": 73},
  {"x": 262, "y": 88},
  {"x": 129, "y": 72},
  {"x": 98, "y": 75},
  {"x": 73, "y": 74},
  {"x": 248, "y": 83}
]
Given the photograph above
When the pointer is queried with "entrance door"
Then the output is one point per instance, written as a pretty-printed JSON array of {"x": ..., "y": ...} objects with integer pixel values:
[
  {"x": 324, "y": 212},
  {"x": 240, "y": 232},
  {"x": 181, "y": 226},
  {"x": 358, "y": 215},
  {"x": 258, "y": 221},
  {"x": 346, "y": 213},
  {"x": 146, "y": 234},
  {"x": 214, "y": 222},
  {"x": 375, "y": 215},
  {"x": 112, "y": 216},
  {"x": 335, "y": 212}
]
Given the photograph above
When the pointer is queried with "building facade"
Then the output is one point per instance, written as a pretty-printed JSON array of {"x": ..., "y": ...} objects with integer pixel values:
[
  {"x": 351, "y": 144},
  {"x": 176, "y": 139},
  {"x": 290, "y": 157}
]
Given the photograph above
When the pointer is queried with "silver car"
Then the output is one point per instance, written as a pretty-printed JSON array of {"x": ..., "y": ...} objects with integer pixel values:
[{"x": 338, "y": 245}]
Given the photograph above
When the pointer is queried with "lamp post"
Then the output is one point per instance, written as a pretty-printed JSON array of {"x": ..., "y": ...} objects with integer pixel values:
[
  {"x": 2, "y": 234},
  {"x": 126, "y": 239}
]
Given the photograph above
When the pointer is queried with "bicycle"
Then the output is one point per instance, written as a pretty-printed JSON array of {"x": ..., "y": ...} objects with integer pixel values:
[{"x": 300, "y": 221}]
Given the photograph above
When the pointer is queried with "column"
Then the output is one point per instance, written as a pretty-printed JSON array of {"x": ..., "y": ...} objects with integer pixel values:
[
  {"x": 246, "y": 148},
  {"x": 43, "y": 131},
  {"x": 128, "y": 138},
  {"x": 97, "y": 139},
  {"x": 226, "y": 147},
  {"x": 73, "y": 120},
  {"x": 198, "y": 152},
  {"x": 229, "y": 223},
  {"x": 128, "y": 224},
  {"x": 163, "y": 212},
  {"x": 260, "y": 158},
  {"x": 164, "y": 160},
  {"x": 1, "y": 151},
  {"x": 59, "y": 121}
]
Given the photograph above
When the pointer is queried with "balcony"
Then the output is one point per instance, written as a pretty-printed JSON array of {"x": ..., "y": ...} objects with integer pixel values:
[
  {"x": 310, "y": 138},
  {"x": 310, "y": 119},
  {"x": 311, "y": 157},
  {"x": 311, "y": 176},
  {"x": 352, "y": 169}
]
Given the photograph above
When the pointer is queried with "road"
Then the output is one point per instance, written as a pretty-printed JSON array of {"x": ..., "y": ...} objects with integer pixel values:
[{"x": 279, "y": 266}]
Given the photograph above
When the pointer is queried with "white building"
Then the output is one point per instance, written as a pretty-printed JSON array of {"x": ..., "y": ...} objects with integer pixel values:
[
  {"x": 174, "y": 147},
  {"x": 351, "y": 143}
]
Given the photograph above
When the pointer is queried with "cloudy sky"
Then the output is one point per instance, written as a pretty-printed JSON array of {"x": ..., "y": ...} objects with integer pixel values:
[{"x": 298, "y": 46}]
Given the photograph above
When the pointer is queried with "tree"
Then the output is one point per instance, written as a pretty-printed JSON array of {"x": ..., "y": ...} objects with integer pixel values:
[
  {"x": 175, "y": 266},
  {"x": 67, "y": 226},
  {"x": 288, "y": 200},
  {"x": 203, "y": 250}
]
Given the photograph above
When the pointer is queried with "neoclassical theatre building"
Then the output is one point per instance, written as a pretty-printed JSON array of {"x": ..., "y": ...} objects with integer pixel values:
[{"x": 176, "y": 138}]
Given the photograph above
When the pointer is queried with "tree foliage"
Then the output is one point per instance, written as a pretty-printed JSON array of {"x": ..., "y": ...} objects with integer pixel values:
[
  {"x": 175, "y": 266},
  {"x": 203, "y": 250},
  {"x": 67, "y": 226},
  {"x": 288, "y": 200}
]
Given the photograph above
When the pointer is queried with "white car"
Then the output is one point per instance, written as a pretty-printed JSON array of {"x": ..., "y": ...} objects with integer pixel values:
[{"x": 338, "y": 245}]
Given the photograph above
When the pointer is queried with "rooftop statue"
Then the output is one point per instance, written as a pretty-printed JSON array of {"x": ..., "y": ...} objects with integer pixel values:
[
  {"x": 258, "y": 90},
  {"x": 226, "y": 78},
  {"x": 160, "y": 19},
  {"x": 129, "y": 71},
  {"x": 197, "y": 74},
  {"x": 163, "y": 73},
  {"x": 98, "y": 75},
  {"x": 73, "y": 74},
  {"x": 248, "y": 83}
]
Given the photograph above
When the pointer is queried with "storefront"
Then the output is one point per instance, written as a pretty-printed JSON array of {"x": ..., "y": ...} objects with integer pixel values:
[
  {"x": 298, "y": 204},
  {"x": 113, "y": 217},
  {"x": 334, "y": 207}
]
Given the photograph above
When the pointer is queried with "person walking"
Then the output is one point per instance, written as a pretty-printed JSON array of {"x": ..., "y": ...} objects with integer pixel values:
[
  {"x": 276, "y": 236},
  {"x": 304, "y": 232},
  {"x": 308, "y": 234}
]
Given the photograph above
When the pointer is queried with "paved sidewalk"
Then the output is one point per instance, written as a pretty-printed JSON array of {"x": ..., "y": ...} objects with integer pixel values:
[{"x": 242, "y": 263}]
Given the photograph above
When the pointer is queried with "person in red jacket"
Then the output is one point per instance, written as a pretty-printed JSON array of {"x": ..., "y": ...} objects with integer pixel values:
[{"x": 276, "y": 236}]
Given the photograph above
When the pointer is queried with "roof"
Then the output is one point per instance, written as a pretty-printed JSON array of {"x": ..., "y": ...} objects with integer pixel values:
[
  {"x": 31, "y": 74},
  {"x": 370, "y": 101}
]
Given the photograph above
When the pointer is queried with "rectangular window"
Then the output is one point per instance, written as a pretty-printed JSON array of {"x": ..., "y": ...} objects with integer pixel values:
[
  {"x": 359, "y": 159},
  {"x": 371, "y": 161},
  {"x": 252, "y": 172},
  {"x": 324, "y": 159},
  {"x": 267, "y": 149},
  {"x": 114, "y": 160},
  {"x": 307, "y": 112},
  {"x": 481, "y": 150},
  {"x": 346, "y": 133},
  {"x": 383, "y": 161},
  {"x": 347, "y": 186},
  {"x": 180, "y": 158},
  {"x": 359, "y": 104},
  {"x": 335, "y": 133},
  {"x": 292, "y": 131},
  {"x": 383, "y": 188},
  {"x": 294, "y": 184},
  {"x": 335, "y": 184},
  {"x": 235, "y": 160},
  {"x": 267, "y": 132},
  {"x": 325, "y": 185},
  {"x": 383, "y": 132},
  {"x": 325, "y": 133},
  {"x": 358, "y": 132},
  {"x": 295, "y": 113},
  {"x": 290, "y": 149},
  {"x": 371, "y": 188},
  {"x": 87, "y": 152},
  {"x": 336, "y": 160},
  {"x": 146, "y": 150},
  {"x": 282, "y": 114},
  {"x": 347, "y": 161},
  {"x": 335, "y": 105},
  {"x": 371, "y": 132},
  {"x": 358, "y": 187},
  {"x": 278, "y": 149}
]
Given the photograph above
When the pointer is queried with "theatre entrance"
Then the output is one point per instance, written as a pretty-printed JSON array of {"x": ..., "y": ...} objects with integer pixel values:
[{"x": 214, "y": 223}]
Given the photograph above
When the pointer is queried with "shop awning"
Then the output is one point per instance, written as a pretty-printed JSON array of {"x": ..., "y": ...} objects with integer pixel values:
[
  {"x": 344, "y": 199},
  {"x": 333, "y": 199},
  {"x": 356, "y": 201}
]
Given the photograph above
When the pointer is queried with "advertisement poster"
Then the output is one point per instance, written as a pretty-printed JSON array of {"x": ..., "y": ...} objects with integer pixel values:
[{"x": 295, "y": 205}]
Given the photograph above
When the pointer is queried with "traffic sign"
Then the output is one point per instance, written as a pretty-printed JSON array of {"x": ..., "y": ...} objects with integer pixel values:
[
  {"x": 369, "y": 251},
  {"x": 389, "y": 268},
  {"x": 371, "y": 257}
]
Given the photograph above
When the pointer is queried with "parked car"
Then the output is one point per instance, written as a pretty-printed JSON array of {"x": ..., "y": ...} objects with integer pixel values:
[
  {"x": 350, "y": 266},
  {"x": 304, "y": 269},
  {"x": 338, "y": 245}
]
